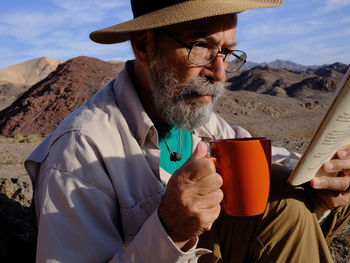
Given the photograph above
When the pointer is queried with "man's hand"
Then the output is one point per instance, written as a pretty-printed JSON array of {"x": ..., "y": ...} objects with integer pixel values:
[
  {"x": 192, "y": 199},
  {"x": 331, "y": 191}
]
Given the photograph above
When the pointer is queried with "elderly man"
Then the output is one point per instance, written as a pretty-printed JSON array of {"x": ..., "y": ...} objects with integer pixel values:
[{"x": 125, "y": 179}]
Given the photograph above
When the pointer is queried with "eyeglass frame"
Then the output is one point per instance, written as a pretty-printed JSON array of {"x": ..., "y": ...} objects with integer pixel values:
[{"x": 190, "y": 47}]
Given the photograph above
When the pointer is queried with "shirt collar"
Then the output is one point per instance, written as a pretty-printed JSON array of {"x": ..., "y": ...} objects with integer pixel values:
[{"x": 131, "y": 107}]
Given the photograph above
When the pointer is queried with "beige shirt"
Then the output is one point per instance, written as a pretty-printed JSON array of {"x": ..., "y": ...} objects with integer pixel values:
[{"x": 98, "y": 184}]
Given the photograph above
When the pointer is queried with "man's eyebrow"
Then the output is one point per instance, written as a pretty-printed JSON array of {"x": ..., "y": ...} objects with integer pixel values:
[
  {"x": 195, "y": 35},
  {"x": 231, "y": 45}
]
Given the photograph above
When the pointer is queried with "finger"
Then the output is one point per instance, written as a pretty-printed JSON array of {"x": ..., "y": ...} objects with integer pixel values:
[
  {"x": 210, "y": 216},
  {"x": 344, "y": 173},
  {"x": 200, "y": 151},
  {"x": 336, "y": 165},
  {"x": 209, "y": 201},
  {"x": 198, "y": 169},
  {"x": 344, "y": 152},
  {"x": 209, "y": 184},
  {"x": 337, "y": 184},
  {"x": 206, "y": 219},
  {"x": 324, "y": 199}
]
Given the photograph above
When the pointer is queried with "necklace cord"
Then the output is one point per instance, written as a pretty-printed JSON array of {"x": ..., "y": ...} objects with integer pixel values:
[
  {"x": 175, "y": 155},
  {"x": 167, "y": 145},
  {"x": 180, "y": 141}
]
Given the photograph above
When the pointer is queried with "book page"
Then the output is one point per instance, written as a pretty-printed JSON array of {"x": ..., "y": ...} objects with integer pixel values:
[{"x": 332, "y": 134}]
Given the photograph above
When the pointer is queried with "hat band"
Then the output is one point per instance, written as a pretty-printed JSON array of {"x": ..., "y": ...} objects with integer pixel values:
[{"x": 141, "y": 7}]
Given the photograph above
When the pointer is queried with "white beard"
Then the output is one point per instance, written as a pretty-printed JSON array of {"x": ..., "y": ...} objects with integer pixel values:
[{"x": 174, "y": 103}]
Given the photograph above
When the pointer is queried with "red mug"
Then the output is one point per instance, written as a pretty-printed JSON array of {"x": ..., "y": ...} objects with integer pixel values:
[{"x": 244, "y": 164}]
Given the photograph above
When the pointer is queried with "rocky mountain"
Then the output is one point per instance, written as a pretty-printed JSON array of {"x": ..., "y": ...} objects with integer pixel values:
[
  {"x": 29, "y": 72},
  {"x": 332, "y": 70},
  {"x": 264, "y": 79},
  {"x": 44, "y": 105},
  {"x": 16, "y": 79},
  {"x": 289, "y": 65},
  {"x": 9, "y": 92},
  {"x": 311, "y": 83},
  {"x": 281, "y": 64}
]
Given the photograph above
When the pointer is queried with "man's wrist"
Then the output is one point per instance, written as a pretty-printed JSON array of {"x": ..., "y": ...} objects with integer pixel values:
[{"x": 184, "y": 245}]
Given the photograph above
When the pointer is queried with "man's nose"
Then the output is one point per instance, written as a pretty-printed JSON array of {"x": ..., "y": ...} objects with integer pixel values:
[{"x": 216, "y": 69}]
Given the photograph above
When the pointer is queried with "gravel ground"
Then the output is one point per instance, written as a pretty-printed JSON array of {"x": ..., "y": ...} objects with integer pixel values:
[{"x": 12, "y": 156}]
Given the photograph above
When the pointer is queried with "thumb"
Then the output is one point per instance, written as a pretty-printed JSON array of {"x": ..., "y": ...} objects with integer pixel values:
[{"x": 200, "y": 152}]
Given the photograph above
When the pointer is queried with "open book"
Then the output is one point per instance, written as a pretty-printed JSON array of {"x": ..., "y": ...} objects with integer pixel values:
[{"x": 332, "y": 134}]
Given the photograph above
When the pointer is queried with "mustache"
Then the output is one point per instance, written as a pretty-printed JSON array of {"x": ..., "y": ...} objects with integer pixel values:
[{"x": 200, "y": 87}]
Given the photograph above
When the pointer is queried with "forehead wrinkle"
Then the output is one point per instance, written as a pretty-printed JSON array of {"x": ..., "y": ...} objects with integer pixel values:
[
  {"x": 204, "y": 27},
  {"x": 211, "y": 39}
]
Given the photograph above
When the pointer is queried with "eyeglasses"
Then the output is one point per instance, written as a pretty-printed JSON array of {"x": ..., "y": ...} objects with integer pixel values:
[{"x": 202, "y": 53}]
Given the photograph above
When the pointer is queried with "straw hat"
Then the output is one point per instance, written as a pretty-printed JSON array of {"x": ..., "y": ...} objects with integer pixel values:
[{"x": 150, "y": 14}]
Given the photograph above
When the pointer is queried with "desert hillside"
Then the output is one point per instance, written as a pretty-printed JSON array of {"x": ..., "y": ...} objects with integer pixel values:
[
  {"x": 29, "y": 72},
  {"x": 40, "y": 109},
  {"x": 16, "y": 79}
]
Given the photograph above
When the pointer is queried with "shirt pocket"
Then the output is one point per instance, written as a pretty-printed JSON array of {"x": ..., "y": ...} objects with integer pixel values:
[{"x": 134, "y": 216}]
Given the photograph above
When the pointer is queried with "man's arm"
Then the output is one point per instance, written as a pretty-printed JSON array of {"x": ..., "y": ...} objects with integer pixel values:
[{"x": 80, "y": 223}]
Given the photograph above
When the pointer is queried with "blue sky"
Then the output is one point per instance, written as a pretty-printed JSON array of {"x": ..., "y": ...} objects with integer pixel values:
[{"x": 309, "y": 32}]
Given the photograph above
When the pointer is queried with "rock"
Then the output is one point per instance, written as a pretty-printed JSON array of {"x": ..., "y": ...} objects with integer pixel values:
[
  {"x": 18, "y": 231},
  {"x": 18, "y": 190}
]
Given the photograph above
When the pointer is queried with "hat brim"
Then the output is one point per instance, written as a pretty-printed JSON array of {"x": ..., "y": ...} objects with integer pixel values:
[{"x": 175, "y": 14}]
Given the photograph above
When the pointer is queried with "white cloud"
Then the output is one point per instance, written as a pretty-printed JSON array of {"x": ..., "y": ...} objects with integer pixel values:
[
  {"x": 71, "y": 46},
  {"x": 280, "y": 29},
  {"x": 298, "y": 33},
  {"x": 8, "y": 57},
  {"x": 311, "y": 50},
  {"x": 26, "y": 26},
  {"x": 124, "y": 15},
  {"x": 67, "y": 49},
  {"x": 344, "y": 20},
  {"x": 331, "y": 6},
  {"x": 59, "y": 33},
  {"x": 60, "y": 29},
  {"x": 81, "y": 5}
]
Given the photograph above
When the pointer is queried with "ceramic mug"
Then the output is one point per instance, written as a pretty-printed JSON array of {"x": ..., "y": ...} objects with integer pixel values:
[{"x": 244, "y": 164}]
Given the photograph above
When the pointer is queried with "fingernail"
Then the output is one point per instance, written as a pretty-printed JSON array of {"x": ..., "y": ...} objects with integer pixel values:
[
  {"x": 329, "y": 166},
  {"x": 342, "y": 154},
  {"x": 316, "y": 182}
]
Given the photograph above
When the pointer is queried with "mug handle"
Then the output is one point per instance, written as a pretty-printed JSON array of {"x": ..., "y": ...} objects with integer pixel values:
[{"x": 212, "y": 158}]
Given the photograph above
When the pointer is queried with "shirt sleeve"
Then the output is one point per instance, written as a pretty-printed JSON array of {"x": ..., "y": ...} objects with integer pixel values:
[
  {"x": 286, "y": 158},
  {"x": 79, "y": 223}
]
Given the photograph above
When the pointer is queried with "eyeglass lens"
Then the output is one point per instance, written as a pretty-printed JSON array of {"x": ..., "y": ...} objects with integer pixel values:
[{"x": 203, "y": 53}]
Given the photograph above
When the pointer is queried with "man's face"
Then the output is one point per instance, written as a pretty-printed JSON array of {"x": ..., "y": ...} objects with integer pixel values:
[{"x": 184, "y": 93}]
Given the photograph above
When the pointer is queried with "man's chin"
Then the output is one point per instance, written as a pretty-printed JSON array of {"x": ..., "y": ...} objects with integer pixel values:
[{"x": 199, "y": 115}]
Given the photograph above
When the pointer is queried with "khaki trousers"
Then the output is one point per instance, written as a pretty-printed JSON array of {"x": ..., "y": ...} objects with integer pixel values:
[{"x": 288, "y": 231}]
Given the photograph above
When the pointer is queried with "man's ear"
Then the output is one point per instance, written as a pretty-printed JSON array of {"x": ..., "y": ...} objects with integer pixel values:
[{"x": 140, "y": 42}]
